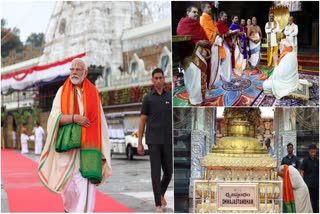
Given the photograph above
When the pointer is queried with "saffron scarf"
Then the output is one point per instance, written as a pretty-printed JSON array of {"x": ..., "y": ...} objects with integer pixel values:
[
  {"x": 90, "y": 145},
  {"x": 284, "y": 52},
  {"x": 288, "y": 198},
  {"x": 209, "y": 27},
  {"x": 211, "y": 30}
]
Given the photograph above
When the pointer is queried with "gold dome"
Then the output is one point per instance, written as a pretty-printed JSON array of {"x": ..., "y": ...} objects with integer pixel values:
[
  {"x": 239, "y": 149},
  {"x": 241, "y": 122},
  {"x": 238, "y": 145}
]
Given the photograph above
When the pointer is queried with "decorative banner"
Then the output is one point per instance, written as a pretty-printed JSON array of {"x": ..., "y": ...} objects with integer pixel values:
[
  {"x": 127, "y": 95},
  {"x": 20, "y": 80},
  {"x": 238, "y": 196}
]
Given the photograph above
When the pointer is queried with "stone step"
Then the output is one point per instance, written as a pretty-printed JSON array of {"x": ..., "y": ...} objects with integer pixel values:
[{"x": 306, "y": 62}]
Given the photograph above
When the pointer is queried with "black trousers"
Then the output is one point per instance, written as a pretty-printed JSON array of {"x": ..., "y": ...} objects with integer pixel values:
[
  {"x": 314, "y": 197},
  {"x": 160, "y": 157}
]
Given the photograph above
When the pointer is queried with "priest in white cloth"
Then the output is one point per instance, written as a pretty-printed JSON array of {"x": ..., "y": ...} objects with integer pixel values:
[
  {"x": 291, "y": 32},
  {"x": 82, "y": 161},
  {"x": 39, "y": 134},
  {"x": 255, "y": 36},
  {"x": 285, "y": 77},
  {"x": 300, "y": 190},
  {"x": 24, "y": 141}
]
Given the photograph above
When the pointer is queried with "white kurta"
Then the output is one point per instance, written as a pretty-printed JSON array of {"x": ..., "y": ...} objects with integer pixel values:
[
  {"x": 300, "y": 192},
  {"x": 285, "y": 77},
  {"x": 80, "y": 194},
  {"x": 59, "y": 172},
  {"x": 39, "y": 133},
  {"x": 24, "y": 143},
  {"x": 14, "y": 139},
  {"x": 291, "y": 32},
  {"x": 272, "y": 33}
]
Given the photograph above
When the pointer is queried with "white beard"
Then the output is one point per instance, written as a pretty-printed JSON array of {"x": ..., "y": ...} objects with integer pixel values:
[{"x": 77, "y": 80}]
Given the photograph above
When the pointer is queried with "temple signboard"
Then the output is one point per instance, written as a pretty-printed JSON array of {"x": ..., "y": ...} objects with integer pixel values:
[{"x": 237, "y": 196}]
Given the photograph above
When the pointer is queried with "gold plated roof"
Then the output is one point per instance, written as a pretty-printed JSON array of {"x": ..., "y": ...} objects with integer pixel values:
[{"x": 239, "y": 145}]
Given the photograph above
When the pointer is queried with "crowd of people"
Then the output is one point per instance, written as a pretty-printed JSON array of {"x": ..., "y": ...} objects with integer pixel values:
[{"x": 218, "y": 52}]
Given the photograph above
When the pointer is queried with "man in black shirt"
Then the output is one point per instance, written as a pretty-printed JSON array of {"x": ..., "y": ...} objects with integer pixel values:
[
  {"x": 310, "y": 173},
  {"x": 290, "y": 159},
  {"x": 156, "y": 114}
]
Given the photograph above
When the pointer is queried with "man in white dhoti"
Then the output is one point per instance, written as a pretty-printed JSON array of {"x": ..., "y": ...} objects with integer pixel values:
[
  {"x": 194, "y": 56},
  {"x": 225, "y": 69},
  {"x": 76, "y": 156},
  {"x": 255, "y": 36},
  {"x": 39, "y": 134},
  {"x": 14, "y": 138},
  {"x": 291, "y": 32},
  {"x": 301, "y": 199},
  {"x": 217, "y": 51},
  {"x": 24, "y": 141},
  {"x": 285, "y": 77}
]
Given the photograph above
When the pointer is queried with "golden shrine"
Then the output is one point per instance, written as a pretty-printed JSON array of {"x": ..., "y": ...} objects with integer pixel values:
[
  {"x": 281, "y": 14},
  {"x": 239, "y": 158}
]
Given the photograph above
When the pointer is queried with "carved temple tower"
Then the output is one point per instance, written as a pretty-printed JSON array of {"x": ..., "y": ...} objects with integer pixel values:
[{"x": 95, "y": 28}]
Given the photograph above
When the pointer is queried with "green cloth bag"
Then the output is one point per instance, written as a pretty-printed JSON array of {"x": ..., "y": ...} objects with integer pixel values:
[
  {"x": 69, "y": 137},
  {"x": 91, "y": 165},
  {"x": 289, "y": 207}
]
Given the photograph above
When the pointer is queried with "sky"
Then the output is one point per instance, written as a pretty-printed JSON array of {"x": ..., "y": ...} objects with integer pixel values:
[{"x": 28, "y": 16}]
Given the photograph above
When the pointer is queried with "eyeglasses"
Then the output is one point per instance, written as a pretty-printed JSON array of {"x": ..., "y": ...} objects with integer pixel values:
[{"x": 76, "y": 69}]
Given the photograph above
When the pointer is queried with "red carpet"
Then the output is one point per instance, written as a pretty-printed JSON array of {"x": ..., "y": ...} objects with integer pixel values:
[{"x": 27, "y": 194}]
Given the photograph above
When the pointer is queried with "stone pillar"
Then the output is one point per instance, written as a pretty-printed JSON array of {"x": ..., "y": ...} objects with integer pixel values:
[
  {"x": 202, "y": 137},
  {"x": 198, "y": 142},
  {"x": 211, "y": 128},
  {"x": 285, "y": 130},
  {"x": 278, "y": 128}
]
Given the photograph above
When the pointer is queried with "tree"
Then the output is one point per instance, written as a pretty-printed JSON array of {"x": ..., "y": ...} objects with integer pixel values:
[
  {"x": 10, "y": 39},
  {"x": 35, "y": 113},
  {"x": 35, "y": 39}
]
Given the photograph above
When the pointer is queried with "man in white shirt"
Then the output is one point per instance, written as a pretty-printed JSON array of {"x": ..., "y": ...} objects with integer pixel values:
[
  {"x": 39, "y": 134},
  {"x": 267, "y": 142},
  {"x": 285, "y": 77},
  {"x": 271, "y": 28},
  {"x": 291, "y": 32},
  {"x": 14, "y": 138}
]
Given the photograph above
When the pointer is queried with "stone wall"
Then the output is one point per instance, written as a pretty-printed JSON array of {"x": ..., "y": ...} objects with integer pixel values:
[{"x": 150, "y": 55}]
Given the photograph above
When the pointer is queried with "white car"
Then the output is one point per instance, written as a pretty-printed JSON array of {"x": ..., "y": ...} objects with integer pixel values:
[{"x": 132, "y": 145}]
